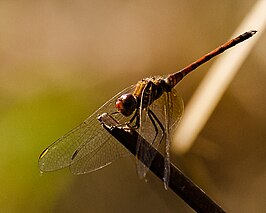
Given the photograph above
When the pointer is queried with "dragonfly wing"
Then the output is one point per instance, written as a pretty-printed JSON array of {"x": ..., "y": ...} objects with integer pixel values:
[
  {"x": 98, "y": 157},
  {"x": 86, "y": 139},
  {"x": 142, "y": 153},
  {"x": 147, "y": 131},
  {"x": 174, "y": 110},
  {"x": 168, "y": 111},
  {"x": 100, "y": 150}
]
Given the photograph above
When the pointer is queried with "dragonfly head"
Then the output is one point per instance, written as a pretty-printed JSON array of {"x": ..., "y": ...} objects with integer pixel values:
[{"x": 126, "y": 104}]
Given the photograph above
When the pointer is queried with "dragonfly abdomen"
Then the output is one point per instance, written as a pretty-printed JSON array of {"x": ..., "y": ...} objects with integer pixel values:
[{"x": 173, "y": 79}]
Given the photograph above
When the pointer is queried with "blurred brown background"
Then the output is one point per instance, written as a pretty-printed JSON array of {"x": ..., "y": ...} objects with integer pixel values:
[{"x": 61, "y": 60}]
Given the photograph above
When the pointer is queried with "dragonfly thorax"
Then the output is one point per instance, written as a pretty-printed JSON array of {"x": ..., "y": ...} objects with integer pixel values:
[{"x": 126, "y": 104}]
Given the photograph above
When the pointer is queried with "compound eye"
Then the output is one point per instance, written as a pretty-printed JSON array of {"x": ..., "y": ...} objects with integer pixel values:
[
  {"x": 126, "y": 104},
  {"x": 119, "y": 104}
]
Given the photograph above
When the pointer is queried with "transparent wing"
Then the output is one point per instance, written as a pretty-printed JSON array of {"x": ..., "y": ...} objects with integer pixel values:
[
  {"x": 101, "y": 149},
  {"x": 87, "y": 147},
  {"x": 174, "y": 110},
  {"x": 167, "y": 116}
]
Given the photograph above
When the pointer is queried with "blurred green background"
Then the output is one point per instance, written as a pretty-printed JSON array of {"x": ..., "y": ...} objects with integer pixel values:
[{"x": 61, "y": 60}]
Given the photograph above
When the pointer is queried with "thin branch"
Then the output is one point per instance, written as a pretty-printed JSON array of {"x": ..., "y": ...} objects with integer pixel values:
[{"x": 178, "y": 182}]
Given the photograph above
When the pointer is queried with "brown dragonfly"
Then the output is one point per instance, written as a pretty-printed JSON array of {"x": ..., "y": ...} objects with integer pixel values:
[{"x": 152, "y": 107}]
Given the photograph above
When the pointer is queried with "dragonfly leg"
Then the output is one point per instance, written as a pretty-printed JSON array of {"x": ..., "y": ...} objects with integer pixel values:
[
  {"x": 137, "y": 120},
  {"x": 154, "y": 118},
  {"x": 155, "y": 126},
  {"x": 128, "y": 123}
]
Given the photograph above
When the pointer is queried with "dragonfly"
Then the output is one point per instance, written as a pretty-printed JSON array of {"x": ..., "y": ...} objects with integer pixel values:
[{"x": 152, "y": 107}]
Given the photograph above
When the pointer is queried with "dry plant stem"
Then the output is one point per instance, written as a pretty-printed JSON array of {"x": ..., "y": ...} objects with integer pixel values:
[{"x": 178, "y": 182}]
